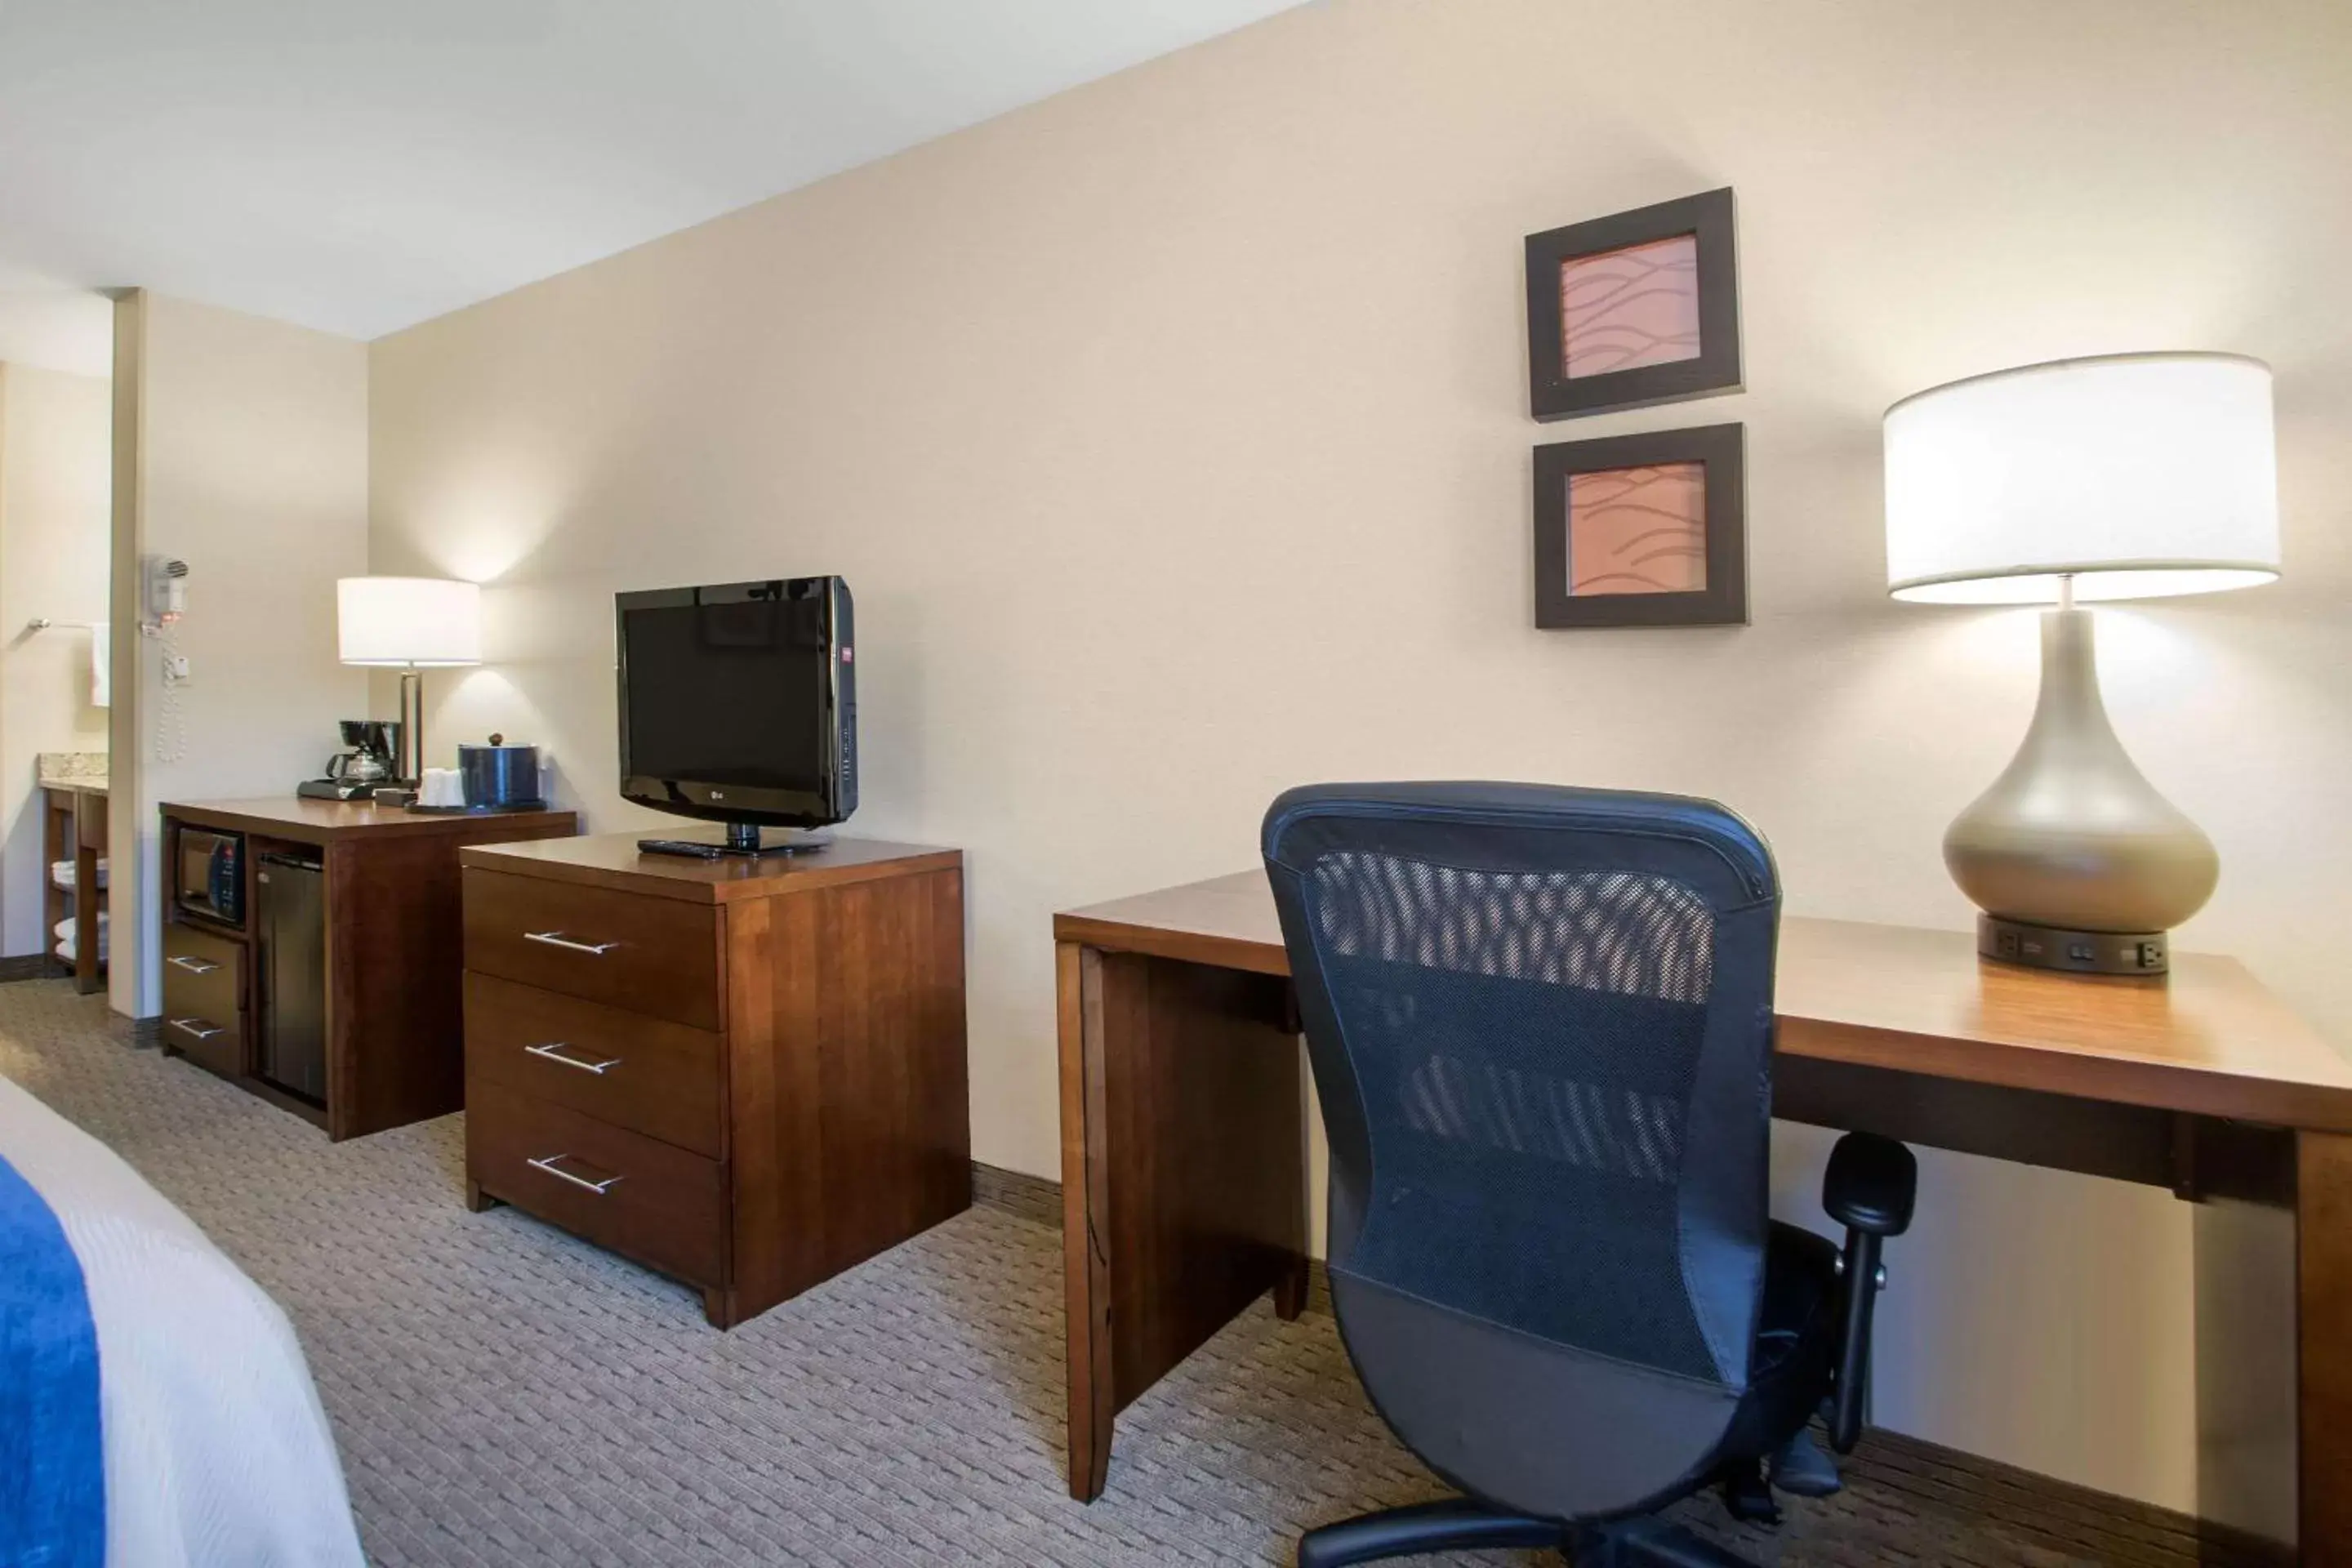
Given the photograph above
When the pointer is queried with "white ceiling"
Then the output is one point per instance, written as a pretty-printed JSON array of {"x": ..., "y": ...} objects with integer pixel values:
[{"x": 361, "y": 166}]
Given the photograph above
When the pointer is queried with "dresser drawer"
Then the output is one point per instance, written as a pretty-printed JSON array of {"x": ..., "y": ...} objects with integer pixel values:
[
  {"x": 213, "y": 1042},
  {"x": 651, "y": 955},
  {"x": 635, "y": 1195},
  {"x": 204, "y": 998},
  {"x": 647, "y": 1075}
]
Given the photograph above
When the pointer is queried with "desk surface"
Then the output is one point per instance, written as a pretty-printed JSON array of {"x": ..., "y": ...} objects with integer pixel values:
[
  {"x": 2209, "y": 1040},
  {"x": 614, "y": 860},
  {"x": 327, "y": 821}
]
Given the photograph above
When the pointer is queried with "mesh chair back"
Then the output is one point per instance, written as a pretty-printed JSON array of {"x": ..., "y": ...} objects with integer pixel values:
[{"x": 1540, "y": 1027}]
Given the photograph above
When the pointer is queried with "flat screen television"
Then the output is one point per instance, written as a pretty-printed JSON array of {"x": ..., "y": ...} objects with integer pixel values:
[{"x": 738, "y": 704}]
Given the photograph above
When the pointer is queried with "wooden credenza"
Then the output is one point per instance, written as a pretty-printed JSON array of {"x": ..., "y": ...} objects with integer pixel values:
[
  {"x": 747, "y": 1074},
  {"x": 391, "y": 967}
]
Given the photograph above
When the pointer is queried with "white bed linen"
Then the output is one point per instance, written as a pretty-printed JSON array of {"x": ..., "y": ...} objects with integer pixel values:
[{"x": 217, "y": 1454}]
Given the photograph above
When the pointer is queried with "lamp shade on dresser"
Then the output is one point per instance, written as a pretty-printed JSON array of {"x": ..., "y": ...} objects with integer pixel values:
[{"x": 409, "y": 624}]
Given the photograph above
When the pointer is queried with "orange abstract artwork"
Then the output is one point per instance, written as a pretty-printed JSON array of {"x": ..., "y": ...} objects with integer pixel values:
[
  {"x": 1638, "y": 530},
  {"x": 1623, "y": 309}
]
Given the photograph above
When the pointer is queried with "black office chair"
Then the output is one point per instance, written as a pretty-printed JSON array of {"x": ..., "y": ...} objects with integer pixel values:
[{"x": 1541, "y": 1022}]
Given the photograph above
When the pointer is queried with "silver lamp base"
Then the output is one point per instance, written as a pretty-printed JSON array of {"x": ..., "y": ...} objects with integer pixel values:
[
  {"x": 410, "y": 764},
  {"x": 2075, "y": 860}
]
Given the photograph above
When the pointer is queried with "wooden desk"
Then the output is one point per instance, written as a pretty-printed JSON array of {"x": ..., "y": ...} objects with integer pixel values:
[
  {"x": 1183, "y": 1148},
  {"x": 393, "y": 955}
]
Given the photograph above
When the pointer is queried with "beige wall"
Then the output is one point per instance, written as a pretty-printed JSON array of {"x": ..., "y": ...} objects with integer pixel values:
[
  {"x": 53, "y": 549},
  {"x": 1173, "y": 435},
  {"x": 251, "y": 462}
]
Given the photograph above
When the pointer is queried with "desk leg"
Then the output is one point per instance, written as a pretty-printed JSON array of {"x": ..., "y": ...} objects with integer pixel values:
[
  {"x": 2274, "y": 1346},
  {"x": 1183, "y": 1160},
  {"x": 2324, "y": 1335},
  {"x": 1086, "y": 1206}
]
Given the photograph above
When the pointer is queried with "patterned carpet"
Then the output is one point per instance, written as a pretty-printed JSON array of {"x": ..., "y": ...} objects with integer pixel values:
[{"x": 503, "y": 1395}]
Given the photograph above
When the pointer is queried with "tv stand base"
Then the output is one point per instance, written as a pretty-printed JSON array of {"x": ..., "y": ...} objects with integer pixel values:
[{"x": 742, "y": 839}]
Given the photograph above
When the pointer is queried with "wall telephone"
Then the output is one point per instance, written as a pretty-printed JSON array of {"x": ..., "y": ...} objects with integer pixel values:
[
  {"x": 165, "y": 583},
  {"x": 164, "y": 598}
]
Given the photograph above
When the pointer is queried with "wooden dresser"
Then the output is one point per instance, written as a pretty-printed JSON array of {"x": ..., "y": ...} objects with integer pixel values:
[
  {"x": 747, "y": 1074},
  {"x": 389, "y": 968}
]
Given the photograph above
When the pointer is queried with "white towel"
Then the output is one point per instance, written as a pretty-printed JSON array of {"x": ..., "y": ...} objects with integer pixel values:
[
  {"x": 61, "y": 872},
  {"x": 65, "y": 950},
  {"x": 65, "y": 928},
  {"x": 101, "y": 673}
]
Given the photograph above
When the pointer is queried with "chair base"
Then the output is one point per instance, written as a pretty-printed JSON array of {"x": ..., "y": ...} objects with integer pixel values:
[
  {"x": 1456, "y": 1525},
  {"x": 1462, "y": 1525}
]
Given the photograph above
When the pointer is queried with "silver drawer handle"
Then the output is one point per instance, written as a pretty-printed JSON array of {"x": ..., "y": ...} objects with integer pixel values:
[
  {"x": 557, "y": 938},
  {"x": 553, "y": 1051},
  {"x": 197, "y": 1027},
  {"x": 550, "y": 1166},
  {"x": 193, "y": 965}
]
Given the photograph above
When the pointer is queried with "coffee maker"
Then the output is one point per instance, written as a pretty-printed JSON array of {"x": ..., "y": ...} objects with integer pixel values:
[{"x": 356, "y": 774}]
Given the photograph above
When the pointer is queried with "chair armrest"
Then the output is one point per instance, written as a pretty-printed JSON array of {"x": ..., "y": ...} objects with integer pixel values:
[
  {"x": 1870, "y": 1188},
  {"x": 1871, "y": 1184}
]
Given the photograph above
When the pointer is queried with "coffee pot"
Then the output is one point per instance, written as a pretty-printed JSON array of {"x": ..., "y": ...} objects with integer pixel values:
[
  {"x": 375, "y": 743},
  {"x": 357, "y": 773}
]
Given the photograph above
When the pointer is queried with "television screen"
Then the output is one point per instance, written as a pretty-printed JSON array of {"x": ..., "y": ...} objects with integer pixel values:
[{"x": 735, "y": 701}]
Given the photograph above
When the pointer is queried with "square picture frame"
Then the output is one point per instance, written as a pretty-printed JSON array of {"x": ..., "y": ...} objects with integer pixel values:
[
  {"x": 1634, "y": 309},
  {"x": 1665, "y": 522}
]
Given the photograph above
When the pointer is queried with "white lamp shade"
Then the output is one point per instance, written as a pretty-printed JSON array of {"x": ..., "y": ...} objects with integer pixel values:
[
  {"x": 2136, "y": 475},
  {"x": 408, "y": 620}
]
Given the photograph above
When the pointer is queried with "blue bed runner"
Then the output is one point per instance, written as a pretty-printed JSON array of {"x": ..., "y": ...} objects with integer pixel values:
[{"x": 52, "y": 1472}]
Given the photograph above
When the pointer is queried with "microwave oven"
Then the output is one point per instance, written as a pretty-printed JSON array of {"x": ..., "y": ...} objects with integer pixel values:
[{"x": 209, "y": 878}]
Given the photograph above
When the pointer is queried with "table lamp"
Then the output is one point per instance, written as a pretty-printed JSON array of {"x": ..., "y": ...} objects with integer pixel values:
[
  {"x": 410, "y": 624},
  {"x": 2125, "y": 476}
]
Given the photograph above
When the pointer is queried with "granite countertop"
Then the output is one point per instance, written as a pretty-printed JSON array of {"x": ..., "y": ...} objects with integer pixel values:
[{"x": 71, "y": 770}]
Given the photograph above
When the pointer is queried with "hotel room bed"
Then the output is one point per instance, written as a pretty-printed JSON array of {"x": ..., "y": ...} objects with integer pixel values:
[{"x": 155, "y": 1410}]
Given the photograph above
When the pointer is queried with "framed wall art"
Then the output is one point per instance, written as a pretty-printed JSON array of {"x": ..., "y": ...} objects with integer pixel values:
[
  {"x": 1643, "y": 531},
  {"x": 1637, "y": 307}
]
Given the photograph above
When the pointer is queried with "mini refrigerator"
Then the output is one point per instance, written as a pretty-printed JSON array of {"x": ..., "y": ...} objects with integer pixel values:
[{"x": 291, "y": 896}]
